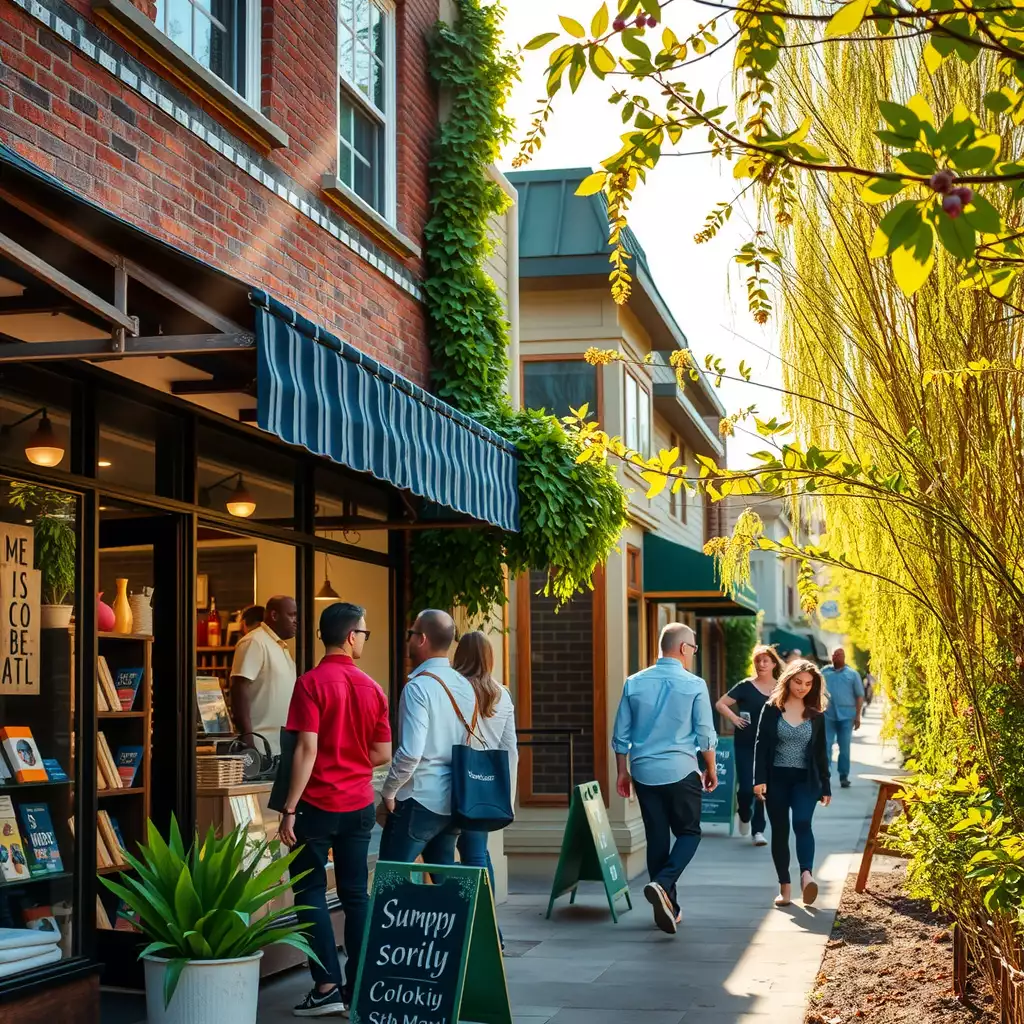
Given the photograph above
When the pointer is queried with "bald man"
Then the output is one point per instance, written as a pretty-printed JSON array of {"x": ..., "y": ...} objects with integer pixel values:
[
  {"x": 664, "y": 742},
  {"x": 417, "y": 792},
  {"x": 263, "y": 674}
]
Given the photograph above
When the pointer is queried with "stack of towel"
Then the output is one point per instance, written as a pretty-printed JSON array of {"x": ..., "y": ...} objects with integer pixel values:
[{"x": 22, "y": 949}]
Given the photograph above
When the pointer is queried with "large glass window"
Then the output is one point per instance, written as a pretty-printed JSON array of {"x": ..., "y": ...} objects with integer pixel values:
[
  {"x": 637, "y": 416},
  {"x": 558, "y": 386},
  {"x": 38, "y": 584},
  {"x": 366, "y": 101},
  {"x": 220, "y": 34}
]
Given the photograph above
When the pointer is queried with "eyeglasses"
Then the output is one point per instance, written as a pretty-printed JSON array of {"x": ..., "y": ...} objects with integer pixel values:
[
  {"x": 694, "y": 646},
  {"x": 410, "y": 633},
  {"x": 365, "y": 632}
]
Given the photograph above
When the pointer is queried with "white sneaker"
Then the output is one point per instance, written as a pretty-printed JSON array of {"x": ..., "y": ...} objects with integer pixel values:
[
  {"x": 744, "y": 828},
  {"x": 759, "y": 839}
]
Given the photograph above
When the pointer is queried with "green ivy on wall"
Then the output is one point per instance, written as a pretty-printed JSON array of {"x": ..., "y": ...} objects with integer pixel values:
[{"x": 571, "y": 515}]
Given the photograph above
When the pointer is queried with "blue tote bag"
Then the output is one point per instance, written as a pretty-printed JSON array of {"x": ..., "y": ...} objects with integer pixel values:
[{"x": 481, "y": 780}]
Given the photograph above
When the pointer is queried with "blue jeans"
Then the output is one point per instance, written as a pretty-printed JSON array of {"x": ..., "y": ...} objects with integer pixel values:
[
  {"x": 749, "y": 809},
  {"x": 789, "y": 792},
  {"x": 347, "y": 833},
  {"x": 673, "y": 809},
  {"x": 473, "y": 853},
  {"x": 412, "y": 830},
  {"x": 840, "y": 732}
]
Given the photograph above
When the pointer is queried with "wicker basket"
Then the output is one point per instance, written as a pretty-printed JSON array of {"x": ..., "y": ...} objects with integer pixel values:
[{"x": 217, "y": 772}]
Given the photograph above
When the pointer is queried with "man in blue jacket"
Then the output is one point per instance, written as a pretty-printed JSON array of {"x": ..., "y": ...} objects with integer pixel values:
[{"x": 664, "y": 723}]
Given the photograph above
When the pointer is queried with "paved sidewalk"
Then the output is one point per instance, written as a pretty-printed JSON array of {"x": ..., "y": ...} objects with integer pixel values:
[{"x": 735, "y": 960}]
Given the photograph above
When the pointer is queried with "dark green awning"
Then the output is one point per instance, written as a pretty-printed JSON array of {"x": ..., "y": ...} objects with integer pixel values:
[
  {"x": 688, "y": 578},
  {"x": 786, "y": 641}
]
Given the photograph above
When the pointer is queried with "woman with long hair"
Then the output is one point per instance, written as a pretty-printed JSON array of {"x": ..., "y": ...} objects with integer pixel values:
[
  {"x": 742, "y": 706},
  {"x": 496, "y": 726},
  {"x": 791, "y": 770}
]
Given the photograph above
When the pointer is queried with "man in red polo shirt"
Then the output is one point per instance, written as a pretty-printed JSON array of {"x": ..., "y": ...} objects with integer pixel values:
[{"x": 341, "y": 717}]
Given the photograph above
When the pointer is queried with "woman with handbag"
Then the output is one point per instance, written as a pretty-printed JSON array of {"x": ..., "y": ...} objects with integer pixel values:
[
  {"x": 496, "y": 728},
  {"x": 791, "y": 770}
]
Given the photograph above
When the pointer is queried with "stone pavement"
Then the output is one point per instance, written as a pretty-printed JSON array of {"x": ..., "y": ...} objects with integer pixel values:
[{"x": 735, "y": 960}]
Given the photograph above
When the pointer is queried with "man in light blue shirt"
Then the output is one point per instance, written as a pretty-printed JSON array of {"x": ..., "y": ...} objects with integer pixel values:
[
  {"x": 842, "y": 716},
  {"x": 664, "y": 723}
]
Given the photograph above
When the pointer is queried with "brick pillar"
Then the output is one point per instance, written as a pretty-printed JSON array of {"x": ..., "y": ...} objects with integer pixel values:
[{"x": 148, "y": 8}]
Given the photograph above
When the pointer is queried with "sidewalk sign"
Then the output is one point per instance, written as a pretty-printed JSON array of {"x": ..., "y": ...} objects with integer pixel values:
[
  {"x": 720, "y": 806},
  {"x": 588, "y": 851},
  {"x": 431, "y": 953}
]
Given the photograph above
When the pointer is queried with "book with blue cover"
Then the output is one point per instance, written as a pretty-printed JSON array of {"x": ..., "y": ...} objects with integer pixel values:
[
  {"x": 127, "y": 761},
  {"x": 127, "y": 682},
  {"x": 40, "y": 841},
  {"x": 54, "y": 770}
]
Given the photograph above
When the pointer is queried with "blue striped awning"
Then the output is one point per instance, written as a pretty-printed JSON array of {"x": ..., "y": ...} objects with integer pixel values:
[{"x": 317, "y": 391}]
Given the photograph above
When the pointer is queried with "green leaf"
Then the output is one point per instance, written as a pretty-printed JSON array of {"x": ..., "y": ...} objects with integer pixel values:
[
  {"x": 983, "y": 216},
  {"x": 998, "y": 101},
  {"x": 632, "y": 42},
  {"x": 601, "y": 61},
  {"x": 538, "y": 42},
  {"x": 956, "y": 235},
  {"x": 878, "y": 190},
  {"x": 592, "y": 183},
  {"x": 911, "y": 264},
  {"x": 599, "y": 24},
  {"x": 847, "y": 19},
  {"x": 900, "y": 118},
  {"x": 652, "y": 7},
  {"x": 918, "y": 162},
  {"x": 172, "y": 976},
  {"x": 573, "y": 27}
]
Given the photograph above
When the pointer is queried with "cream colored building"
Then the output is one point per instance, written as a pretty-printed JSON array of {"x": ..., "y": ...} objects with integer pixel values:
[{"x": 568, "y": 669}]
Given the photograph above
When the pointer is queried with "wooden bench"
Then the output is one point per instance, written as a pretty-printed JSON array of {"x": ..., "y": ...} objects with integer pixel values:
[{"x": 888, "y": 786}]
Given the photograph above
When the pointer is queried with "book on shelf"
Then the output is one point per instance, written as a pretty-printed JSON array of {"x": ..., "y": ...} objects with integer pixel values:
[
  {"x": 118, "y": 834},
  {"x": 22, "y": 754},
  {"x": 101, "y": 698},
  {"x": 54, "y": 770},
  {"x": 102, "y": 920},
  {"x": 41, "y": 919},
  {"x": 127, "y": 682},
  {"x": 13, "y": 862},
  {"x": 103, "y": 858},
  {"x": 128, "y": 762},
  {"x": 126, "y": 919},
  {"x": 40, "y": 839},
  {"x": 111, "y": 837},
  {"x": 106, "y": 763},
  {"x": 6, "y": 776},
  {"x": 106, "y": 681}
]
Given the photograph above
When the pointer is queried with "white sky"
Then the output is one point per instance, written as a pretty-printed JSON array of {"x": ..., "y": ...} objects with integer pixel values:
[{"x": 699, "y": 282}]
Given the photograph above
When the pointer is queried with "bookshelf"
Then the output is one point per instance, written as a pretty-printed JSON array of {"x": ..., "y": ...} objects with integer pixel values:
[{"x": 127, "y": 806}]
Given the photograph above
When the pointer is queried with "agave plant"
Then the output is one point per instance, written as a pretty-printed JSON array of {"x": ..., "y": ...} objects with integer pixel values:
[{"x": 201, "y": 903}]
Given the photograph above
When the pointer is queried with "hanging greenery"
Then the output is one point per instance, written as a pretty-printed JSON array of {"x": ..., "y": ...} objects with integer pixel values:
[{"x": 571, "y": 514}]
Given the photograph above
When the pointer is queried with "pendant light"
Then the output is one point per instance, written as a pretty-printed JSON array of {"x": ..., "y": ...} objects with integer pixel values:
[
  {"x": 241, "y": 503},
  {"x": 327, "y": 592},
  {"x": 43, "y": 448}
]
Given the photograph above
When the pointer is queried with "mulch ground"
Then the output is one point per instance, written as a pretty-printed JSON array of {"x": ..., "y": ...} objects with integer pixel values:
[{"x": 890, "y": 961}]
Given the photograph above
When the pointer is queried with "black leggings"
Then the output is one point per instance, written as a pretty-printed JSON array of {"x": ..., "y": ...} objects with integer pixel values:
[{"x": 790, "y": 792}]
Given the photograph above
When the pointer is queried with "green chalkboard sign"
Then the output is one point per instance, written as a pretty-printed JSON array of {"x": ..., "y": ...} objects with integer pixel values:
[
  {"x": 720, "y": 806},
  {"x": 588, "y": 851},
  {"x": 431, "y": 953}
]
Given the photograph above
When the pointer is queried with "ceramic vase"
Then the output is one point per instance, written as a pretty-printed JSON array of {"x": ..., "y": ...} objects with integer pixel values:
[
  {"x": 122, "y": 609},
  {"x": 104, "y": 615}
]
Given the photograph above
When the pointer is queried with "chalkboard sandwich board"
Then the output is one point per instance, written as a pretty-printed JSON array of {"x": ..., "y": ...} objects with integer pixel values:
[
  {"x": 720, "y": 806},
  {"x": 431, "y": 953},
  {"x": 588, "y": 851}
]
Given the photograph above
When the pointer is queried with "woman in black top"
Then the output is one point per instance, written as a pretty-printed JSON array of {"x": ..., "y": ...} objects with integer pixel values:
[
  {"x": 742, "y": 706},
  {"x": 791, "y": 770}
]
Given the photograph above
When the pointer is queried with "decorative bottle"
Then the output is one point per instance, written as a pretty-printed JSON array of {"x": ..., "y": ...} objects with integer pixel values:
[
  {"x": 123, "y": 622},
  {"x": 213, "y": 625}
]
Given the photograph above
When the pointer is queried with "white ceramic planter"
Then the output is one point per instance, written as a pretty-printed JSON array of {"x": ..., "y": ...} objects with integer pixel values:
[
  {"x": 208, "y": 992},
  {"x": 55, "y": 616}
]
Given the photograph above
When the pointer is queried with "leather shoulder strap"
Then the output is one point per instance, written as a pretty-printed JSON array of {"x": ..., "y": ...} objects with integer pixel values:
[{"x": 470, "y": 729}]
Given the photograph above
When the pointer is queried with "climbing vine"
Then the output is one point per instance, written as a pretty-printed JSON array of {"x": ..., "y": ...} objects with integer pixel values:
[{"x": 571, "y": 513}]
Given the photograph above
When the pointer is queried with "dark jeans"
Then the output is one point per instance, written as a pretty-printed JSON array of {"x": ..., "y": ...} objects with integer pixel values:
[
  {"x": 473, "y": 853},
  {"x": 347, "y": 833},
  {"x": 841, "y": 733},
  {"x": 411, "y": 830},
  {"x": 675, "y": 809},
  {"x": 750, "y": 809},
  {"x": 790, "y": 792}
]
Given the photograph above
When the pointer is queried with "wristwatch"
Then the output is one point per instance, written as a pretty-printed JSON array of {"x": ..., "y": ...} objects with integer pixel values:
[{"x": 286, "y": 812}]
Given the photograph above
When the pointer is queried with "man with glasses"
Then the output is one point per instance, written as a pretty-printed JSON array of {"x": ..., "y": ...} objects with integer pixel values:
[
  {"x": 417, "y": 792},
  {"x": 340, "y": 716},
  {"x": 664, "y": 723}
]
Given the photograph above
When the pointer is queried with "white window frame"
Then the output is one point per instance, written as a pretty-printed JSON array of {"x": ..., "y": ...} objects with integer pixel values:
[
  {"x": 641, "y": 400},
  {"x": 252, "y": 48},
  {"x": 387, "y": 118}
]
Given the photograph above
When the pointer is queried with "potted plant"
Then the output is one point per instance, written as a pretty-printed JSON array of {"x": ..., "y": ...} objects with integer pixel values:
[
  {"x": 53, "y": 524},
  {"x": 201, "y": 909}
]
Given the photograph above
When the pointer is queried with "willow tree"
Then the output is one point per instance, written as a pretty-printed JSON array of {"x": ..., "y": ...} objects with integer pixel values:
[{"x": 879, "y": 138}]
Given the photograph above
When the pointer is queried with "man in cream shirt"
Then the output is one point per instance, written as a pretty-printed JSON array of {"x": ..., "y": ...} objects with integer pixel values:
[{"x": 263, "y": 674}]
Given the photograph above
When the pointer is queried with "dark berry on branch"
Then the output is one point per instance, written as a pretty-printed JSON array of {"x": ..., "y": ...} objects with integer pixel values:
[
  {"x": 942, "y": 181},
  {"x": 966, "y": 194},
  {"x": 619, "y": 24},
  {"x": 953, "y": 205},
  {"x": 641, "y": 20},
  {"x": 651, "y": 22}
]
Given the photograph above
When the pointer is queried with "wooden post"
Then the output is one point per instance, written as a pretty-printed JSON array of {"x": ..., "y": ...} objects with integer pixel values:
[
  {"x": 869, "y": 846},
  {"x": 959, "y": 961}
]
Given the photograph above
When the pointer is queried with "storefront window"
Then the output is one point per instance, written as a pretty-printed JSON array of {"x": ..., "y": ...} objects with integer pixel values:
[
  {"x": 134, "y": 441},
  {"x": 39, "y": 537},
  {"x": 35, "y": 421}
]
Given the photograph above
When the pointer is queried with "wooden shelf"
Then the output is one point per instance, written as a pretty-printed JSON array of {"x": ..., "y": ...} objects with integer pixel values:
[
  {"x": 11, "y": 786},
  {"x": 116, "y": 869},
  {"x": 120, "y": 714},
  {"x": 135, "y": 790},
  {"x": 53, "y": 876},
  {"x": 124, "y": 636}
]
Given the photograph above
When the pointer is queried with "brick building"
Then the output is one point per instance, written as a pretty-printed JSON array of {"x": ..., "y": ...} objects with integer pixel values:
[{"x": 213, "y": 361}]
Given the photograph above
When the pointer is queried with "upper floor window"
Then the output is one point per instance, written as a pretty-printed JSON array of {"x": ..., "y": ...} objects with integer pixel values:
[
  {"x": 560, "y": 385},
  {"x": 638, "y": 416},
  {"x": 366, "y": 102},
  {"x": 222, "y": 35}
]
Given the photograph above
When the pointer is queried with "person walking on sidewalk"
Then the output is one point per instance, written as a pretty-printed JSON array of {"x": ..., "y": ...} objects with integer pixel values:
[
  {"x": 663, "y": 724},
  {"x": 845, "y": 703},
  {"x": 341, "y": 717},
  {"x": 791, "y": 771},
  {"x": 742, "y": 706}
]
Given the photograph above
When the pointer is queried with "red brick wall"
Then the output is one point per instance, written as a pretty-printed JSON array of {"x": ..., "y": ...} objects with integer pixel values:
[{"x": 70, "y": 116}]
